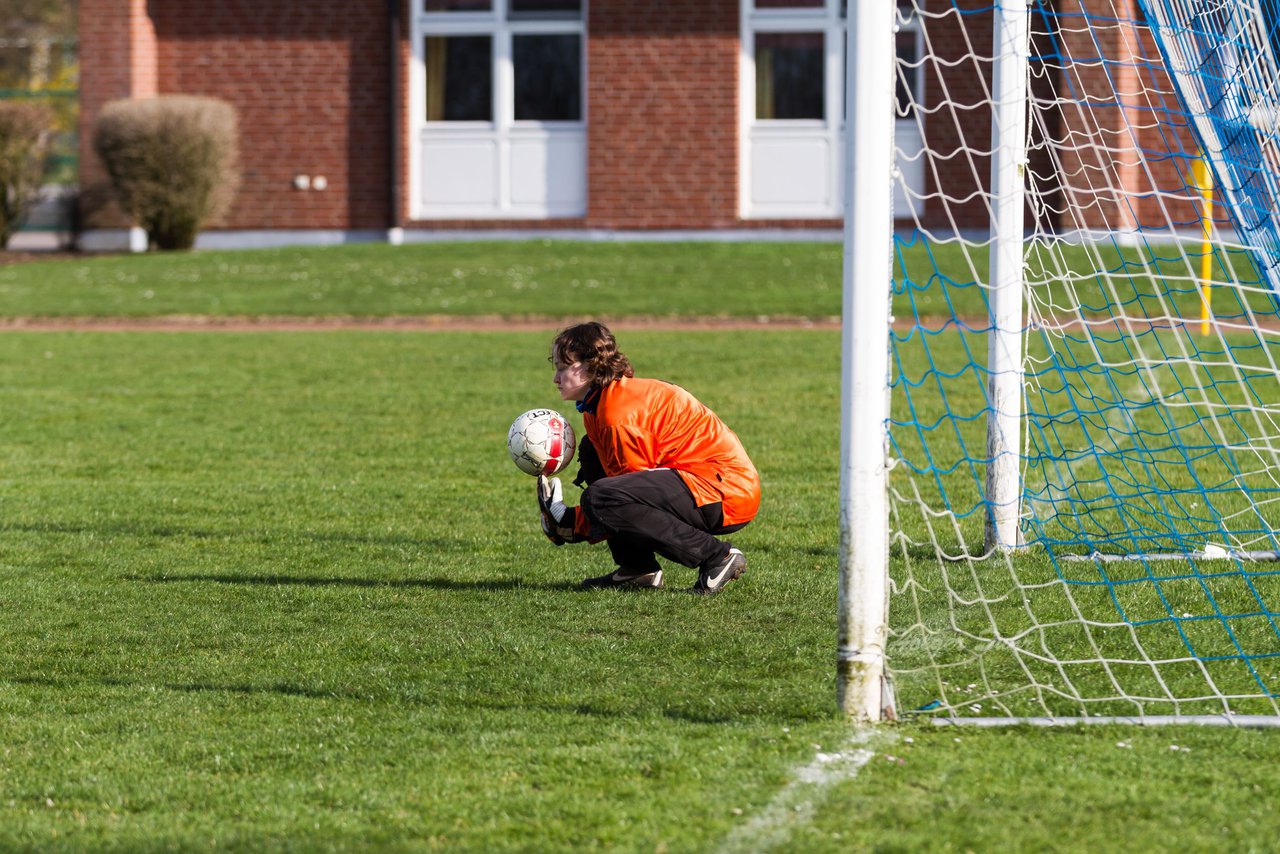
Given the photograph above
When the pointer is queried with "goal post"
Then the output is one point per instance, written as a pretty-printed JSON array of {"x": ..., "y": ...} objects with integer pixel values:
[
  {"x": 1008, "y": 201},
  {"x": 1078, "y": 473},
  {"x": 868, "y": 272}
]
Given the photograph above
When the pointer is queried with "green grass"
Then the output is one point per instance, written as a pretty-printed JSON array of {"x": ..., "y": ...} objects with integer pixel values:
[
  {"x": 543, "y": 278},
  {"x": 552, "y": 278},
  {"x": 285, "y": 591},
  {"x": 1100, "y": 789},
  {"x": 1107, "y": 469},
  {"x": 289, "y": 589}
]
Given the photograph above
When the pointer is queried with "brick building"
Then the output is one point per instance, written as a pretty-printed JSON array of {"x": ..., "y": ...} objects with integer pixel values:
[{"x": 363, "y": 119}]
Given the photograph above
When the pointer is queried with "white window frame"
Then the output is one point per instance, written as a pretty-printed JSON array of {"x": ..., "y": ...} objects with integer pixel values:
[
  {"x": 822, "y": 173},
  {"x": 508, "y": 140}
]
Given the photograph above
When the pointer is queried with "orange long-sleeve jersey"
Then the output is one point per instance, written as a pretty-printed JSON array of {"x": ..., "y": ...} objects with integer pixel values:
[{"x": 641, "y": 424}]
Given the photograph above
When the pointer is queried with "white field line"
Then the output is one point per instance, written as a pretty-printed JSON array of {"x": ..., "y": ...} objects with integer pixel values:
[{"x": 796, "y": 804}]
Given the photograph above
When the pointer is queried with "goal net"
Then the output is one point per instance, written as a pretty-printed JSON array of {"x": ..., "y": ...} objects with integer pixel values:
[{"x": 1084, "y": 423}]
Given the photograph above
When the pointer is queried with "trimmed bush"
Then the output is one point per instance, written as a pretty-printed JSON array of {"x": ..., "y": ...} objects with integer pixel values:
[
  {"x": 173, "y": 163},
  {"x": 25, "y": 134}
]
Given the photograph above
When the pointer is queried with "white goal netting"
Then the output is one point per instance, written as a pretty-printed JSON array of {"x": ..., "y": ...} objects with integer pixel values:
[{"x": 1139, "y": 581}]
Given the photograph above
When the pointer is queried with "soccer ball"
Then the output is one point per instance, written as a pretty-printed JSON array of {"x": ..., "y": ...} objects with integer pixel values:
[{"x": 541, "y": 441}]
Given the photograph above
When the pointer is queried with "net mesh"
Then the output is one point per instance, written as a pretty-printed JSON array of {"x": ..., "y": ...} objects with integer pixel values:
[{"x": 1150, "y": 444}]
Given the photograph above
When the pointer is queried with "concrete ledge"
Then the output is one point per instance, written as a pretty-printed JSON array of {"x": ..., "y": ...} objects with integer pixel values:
[
  {"x": 41, "y": 241},
  {"x": 134, "y": 240},
  {"x": 123, "y": 240},
  {"x": 113, "y": 240}
]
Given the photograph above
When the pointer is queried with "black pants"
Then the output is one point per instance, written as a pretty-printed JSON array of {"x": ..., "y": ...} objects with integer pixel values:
[{"x": 652, "y": 512}]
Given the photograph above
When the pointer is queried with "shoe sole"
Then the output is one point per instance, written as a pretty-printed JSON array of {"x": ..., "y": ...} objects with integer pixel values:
[
  {"x": 632, "y": 584},
  {"x": 737, "y": 566}
]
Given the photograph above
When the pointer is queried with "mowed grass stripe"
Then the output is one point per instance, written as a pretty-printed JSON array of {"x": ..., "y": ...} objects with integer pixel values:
[
  {"x": 285, "y": 588},
  {"x": 565, "y": 278},
  {"x": 281, "y": 591}
]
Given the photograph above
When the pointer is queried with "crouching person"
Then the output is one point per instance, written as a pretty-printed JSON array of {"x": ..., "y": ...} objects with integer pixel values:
[{"x": 663, "y": 474}]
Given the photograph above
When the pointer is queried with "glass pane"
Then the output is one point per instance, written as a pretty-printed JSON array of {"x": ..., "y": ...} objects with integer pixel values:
[
  {"x": 559, "y": 9},
  {"x": 459, "y": 78},
  {"x": 458, "y": 5},
  {"x": 908, "y": 73},
  {"x": 790, "y": 4},
  {"x": 789, "y": 77},
  {"x": 548, "y": 73}
]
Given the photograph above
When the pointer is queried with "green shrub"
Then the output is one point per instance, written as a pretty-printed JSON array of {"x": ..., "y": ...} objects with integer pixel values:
[
  {"x": 25, "y": 132},
  {"x": 172, "y": 162}
]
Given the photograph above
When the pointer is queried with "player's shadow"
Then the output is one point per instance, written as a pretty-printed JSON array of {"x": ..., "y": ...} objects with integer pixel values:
[
  {"x": 607, "y": 710},
  {"x": 110, "y": 682},
  {"x": 129, "y": 528},
  {"x": 436, "y": 583}
]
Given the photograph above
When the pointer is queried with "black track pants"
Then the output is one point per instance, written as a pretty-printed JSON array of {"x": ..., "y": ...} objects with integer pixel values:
[{"x": 648, "y": 512}]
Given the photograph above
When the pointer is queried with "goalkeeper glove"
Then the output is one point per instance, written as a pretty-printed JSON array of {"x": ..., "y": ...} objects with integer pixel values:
[{"x": 559, "y": 522}]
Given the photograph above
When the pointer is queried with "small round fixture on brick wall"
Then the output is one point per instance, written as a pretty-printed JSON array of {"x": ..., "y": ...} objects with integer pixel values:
[
  {"x": 302, "y": 182},
  {"x": 319, "y": 182}
]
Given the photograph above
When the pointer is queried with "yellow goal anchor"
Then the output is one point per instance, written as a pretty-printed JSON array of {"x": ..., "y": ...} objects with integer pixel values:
[{"x": 1202, "y": 181}]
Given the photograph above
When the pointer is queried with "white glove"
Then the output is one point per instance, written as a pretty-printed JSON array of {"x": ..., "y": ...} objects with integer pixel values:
[
  {"x": 558, "y": 521},
  {"x": 551, "y": 494}
]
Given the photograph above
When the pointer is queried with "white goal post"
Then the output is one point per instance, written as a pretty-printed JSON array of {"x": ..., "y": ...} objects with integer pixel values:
[
  {"x": 1060, "y": 396},
  {"x": 868, "y": 271}
]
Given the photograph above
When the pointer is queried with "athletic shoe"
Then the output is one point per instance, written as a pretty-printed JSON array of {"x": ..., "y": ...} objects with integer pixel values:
[
  {"x": 623, "y": 578},
  {"x": 715, "y": 574}
]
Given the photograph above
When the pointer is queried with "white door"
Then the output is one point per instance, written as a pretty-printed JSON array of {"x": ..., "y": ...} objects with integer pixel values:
[
  {"x": 498, "y": 109},
  {"x": 792, "y": 98}
]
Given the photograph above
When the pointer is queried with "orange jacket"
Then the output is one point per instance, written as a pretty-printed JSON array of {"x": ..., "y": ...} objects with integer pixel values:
[{"x": 641, "y": 424}]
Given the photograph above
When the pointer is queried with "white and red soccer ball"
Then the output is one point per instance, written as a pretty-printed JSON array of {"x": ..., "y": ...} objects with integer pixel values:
[{"x": 541, "y": 441}]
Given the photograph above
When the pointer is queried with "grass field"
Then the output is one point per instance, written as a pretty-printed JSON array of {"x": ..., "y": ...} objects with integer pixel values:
[
  {"x": 558, "y": 278},
  {"x": 509, "y": 279},
  {"x": 284, "y": 591}
]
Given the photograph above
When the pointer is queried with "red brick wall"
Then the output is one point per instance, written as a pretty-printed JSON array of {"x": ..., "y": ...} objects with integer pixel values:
[
  {"x": 1090, "y": 173},
  {"x": 1166, "y": 180},
  {"x": 310, "y": 81},
  {"x": 308, "y": 78},
  {"x": 663, "y": 114},
  {"x": 1104, "y": 175},
  {"x": 118, "y": 55},
  {"x": 1138, "y": 176},
  {"x": 961, "y": 135},
  {"x": 662, "y": 120}
]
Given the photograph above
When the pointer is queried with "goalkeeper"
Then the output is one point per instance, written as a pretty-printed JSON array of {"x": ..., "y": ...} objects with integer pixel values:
[{"x": 663, "y": 474}]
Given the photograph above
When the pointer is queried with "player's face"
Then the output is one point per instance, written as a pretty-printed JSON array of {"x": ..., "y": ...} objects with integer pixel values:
[{"x": 571, "y": 380}]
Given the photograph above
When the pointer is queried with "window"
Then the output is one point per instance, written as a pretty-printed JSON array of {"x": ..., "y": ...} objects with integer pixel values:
[
  {"x": 531, "y": 9},
  {"x": 790, "y": 80},
  {"x": 793, "y": 73},
  {"x": 548, "y": 77},
  {"x": 459, "y": 78},
  {"x": 458, "y": 5},
  {"x": 498, "y": 109}
]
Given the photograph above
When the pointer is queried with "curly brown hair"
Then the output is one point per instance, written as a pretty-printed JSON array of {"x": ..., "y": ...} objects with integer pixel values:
[{"x": 594, "y": 346}]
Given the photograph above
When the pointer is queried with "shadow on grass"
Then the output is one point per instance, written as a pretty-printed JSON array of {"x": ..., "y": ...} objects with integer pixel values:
[
  {"x": 953, "y": 554},
  {"x": 142, "y": 529},
  {"x": 438, "y": 583},
  {"x": 615, "y": 709},
  {"x": 189, "y": 687}
]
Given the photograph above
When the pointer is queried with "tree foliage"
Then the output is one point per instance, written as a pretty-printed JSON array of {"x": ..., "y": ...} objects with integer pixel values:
[
  {"x": 38, "y": 18},
  {"x": 39, "y": 63},
  {"x": 25, "y": 130}
]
